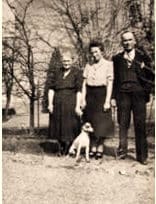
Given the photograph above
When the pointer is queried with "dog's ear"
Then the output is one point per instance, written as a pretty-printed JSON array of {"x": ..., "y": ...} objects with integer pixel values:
[{"x": 87, "y": 125}]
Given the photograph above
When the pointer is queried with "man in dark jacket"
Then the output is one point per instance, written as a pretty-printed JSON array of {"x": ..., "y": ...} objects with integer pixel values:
[{"x": 132, "y": 84}]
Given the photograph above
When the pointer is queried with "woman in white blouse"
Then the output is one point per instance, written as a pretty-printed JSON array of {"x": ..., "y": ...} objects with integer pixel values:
[{"x": 96, "y": 96}]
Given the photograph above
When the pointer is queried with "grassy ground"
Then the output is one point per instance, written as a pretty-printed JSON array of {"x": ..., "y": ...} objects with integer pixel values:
[{"x": 32, "y": 174}]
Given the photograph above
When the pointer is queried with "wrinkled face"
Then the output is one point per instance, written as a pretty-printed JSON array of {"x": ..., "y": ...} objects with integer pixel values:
[
  {"x": 128, "y": 41},
  {"x": 87, "y": 127},
  {"x": 96, "y": 53},
  {"x": 67, "y": 62}
]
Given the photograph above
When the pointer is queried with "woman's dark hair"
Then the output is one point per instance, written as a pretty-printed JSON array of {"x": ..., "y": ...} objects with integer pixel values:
[{"x": 96, "y": 43}]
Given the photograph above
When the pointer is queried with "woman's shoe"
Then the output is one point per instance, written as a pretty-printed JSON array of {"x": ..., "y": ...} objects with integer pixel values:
[{"x": 99, "y": 155}]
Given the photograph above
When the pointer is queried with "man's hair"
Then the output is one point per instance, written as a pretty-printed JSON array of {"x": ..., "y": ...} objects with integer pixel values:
[
  {"x": 96, "y": 43},
  {"x": 127, "y": 31}
]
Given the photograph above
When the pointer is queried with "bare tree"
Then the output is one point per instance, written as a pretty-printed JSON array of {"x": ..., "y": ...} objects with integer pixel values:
[
  {"x": 7, "y": 73},
  {"x": 86, "y": 20},
  {"x": 25, "y": 69}
]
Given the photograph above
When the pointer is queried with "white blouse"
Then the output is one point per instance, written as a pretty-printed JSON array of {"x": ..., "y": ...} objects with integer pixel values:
[{"x": 99, "y": 73}]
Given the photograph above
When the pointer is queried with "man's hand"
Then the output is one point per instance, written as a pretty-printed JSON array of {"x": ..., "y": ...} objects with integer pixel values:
[
  {"x": 51, "y": 108},
  {"x": 113, "y": 103},
  {"x": 142, "y": 65}
]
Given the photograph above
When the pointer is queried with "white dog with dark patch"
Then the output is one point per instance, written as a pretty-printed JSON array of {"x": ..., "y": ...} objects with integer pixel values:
[{"x": 82, "y": 141}]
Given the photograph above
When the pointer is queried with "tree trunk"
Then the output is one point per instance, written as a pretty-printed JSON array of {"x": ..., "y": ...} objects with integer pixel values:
[
  {"x": 8, "y": 100},
  {"x": 31, "y": 115}
]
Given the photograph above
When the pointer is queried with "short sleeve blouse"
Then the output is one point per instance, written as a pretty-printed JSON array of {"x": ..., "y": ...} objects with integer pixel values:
[{"x": 98, "y": 74}]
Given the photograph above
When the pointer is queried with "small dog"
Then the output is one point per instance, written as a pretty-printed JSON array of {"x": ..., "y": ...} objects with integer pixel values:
[{"x": 82, "y": 141}]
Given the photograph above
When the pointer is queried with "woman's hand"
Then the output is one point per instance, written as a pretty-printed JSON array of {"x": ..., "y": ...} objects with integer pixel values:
[
  {"x": 83, "y": 104},
  {"x": 51, "y": 108},
  {"x": 78, "y": 111},
  {"x": 106, "y": 106}
]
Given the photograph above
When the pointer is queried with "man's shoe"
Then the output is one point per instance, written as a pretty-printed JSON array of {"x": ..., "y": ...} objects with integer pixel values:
[
  {"x": 144, "y": 162},
  {"x": 120, "y": 154}
]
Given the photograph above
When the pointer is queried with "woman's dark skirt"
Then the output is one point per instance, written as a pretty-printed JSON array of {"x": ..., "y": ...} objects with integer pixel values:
[
  {"x": 100, "y": 120},
  {"x": 64, "y": 124}
]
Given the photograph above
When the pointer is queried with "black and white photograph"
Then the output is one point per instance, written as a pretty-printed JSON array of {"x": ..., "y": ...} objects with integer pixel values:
[{"x": 78, "y": 101}]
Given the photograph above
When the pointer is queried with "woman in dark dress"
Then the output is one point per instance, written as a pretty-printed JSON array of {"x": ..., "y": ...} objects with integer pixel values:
[
  {"x": 64, "y": 103},
  {"x": 97, "y": 90}
]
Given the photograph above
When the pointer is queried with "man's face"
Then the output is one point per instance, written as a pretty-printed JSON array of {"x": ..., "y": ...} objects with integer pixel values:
[
  {"x": 128, "y": 41},
  {"x": 96, "y": 53},
  {"x": 67, "y": 62}
]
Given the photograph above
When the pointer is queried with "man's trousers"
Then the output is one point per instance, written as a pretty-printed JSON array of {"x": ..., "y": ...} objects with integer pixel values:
[{"x": 135, "y": 102}]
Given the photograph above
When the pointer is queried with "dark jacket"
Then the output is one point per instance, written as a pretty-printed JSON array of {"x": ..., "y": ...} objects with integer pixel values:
[{"x": 145, "y": 76}]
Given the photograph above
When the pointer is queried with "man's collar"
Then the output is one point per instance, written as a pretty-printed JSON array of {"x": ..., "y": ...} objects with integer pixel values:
[{"x": 130, "y": 55}]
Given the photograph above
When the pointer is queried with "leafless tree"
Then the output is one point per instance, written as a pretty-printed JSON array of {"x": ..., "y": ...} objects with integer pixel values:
[
  {"x": 86, "y": 20},
  {"x": 25, "y": 69},
  {"x": 101, "y": 19},
  {"x": 7, "y": 73}
]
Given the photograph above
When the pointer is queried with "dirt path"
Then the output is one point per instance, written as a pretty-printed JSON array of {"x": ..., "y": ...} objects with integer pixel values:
[{"x": 43, "y": 179}]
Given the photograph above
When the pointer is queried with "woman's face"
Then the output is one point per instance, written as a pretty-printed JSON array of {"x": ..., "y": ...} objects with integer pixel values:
[
  {"x": 67, "y": 62},
  {"x": 96, "y": 53}
]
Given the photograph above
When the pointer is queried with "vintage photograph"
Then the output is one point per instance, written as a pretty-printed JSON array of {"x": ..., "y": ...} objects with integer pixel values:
[{"x": 78, "y": 102}]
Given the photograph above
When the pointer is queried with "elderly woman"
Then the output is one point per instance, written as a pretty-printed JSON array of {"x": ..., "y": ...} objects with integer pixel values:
[
  {"x": 96, "y": 94},
  {"x": 64, "y": 103}
]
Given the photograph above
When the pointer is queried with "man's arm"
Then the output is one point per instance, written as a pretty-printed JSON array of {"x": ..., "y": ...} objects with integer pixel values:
[{"x": 115, "y": 82}]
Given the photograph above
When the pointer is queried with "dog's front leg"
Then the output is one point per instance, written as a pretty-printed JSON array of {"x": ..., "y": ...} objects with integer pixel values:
[
  {"x": 87, "y": 153},
  {"x": 78, "y": 153}
]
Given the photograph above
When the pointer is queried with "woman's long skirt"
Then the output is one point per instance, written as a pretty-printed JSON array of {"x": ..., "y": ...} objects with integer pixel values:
[
  {"x": 100, "y": 120},
  {"x": 64, "y": 124}
]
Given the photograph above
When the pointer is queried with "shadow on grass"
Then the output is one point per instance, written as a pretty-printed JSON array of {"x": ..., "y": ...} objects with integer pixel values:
[
  {"x": 19, "y": 140},
  {"x": 50, "y": 147},
  {"x": 111, "y": 151},
  {"x": 38, "y": 132}
]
